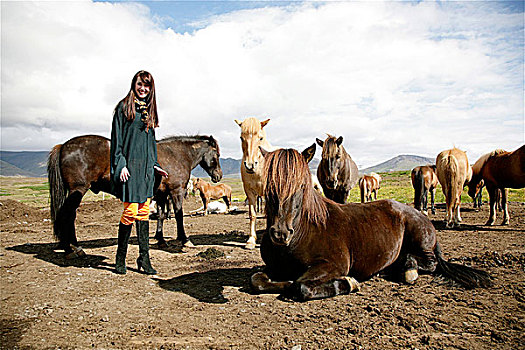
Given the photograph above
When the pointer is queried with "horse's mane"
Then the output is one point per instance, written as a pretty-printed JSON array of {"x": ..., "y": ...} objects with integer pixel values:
[
  {"x": 287, "y": 172},
  {"x": 250, "y": 125},
  {"x": 476, "y": 168},
  {"x": 193, "y": 138},
  {"x": 329, "y": 147}
]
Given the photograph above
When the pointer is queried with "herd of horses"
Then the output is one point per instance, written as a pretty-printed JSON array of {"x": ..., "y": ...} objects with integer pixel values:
[{"x": 314, "y": 246}]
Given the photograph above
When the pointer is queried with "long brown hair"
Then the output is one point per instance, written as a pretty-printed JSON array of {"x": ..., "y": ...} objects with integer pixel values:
[
  {"x": 151, "y": 100},
  {"x": 287, "y": 172}
]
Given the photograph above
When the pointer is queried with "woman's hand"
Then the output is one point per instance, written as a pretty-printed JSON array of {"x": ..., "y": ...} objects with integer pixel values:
[
  {"x": 124, "y": 174},
  {"x": 161, "y": 171}
]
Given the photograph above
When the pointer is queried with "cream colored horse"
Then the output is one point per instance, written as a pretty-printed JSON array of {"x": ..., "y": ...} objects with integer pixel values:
[
  {"x": 253, "y": 136},
  {"x": 453, "y": 172}
]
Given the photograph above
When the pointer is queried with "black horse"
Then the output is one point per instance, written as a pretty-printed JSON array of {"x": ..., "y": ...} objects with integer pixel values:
[{"x": 82, "y": 163}]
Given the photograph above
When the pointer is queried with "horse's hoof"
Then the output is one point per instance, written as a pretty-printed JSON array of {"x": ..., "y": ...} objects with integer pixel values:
[
  {"x": 77, "y": 252},
  {"x": 188, "y": 244},
  {"x": 249, "y": 245},
  {"x": 411, "y": 276},
  {"x": 425, "y": 212},
  {"x": 489, "y": 223},
  {"x": 162, "y": 244},
  {"x": 506, "y": 222},
  {"x": 354, "y": 285}
]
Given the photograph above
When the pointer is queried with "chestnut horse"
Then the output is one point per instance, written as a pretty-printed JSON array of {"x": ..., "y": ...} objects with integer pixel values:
[
  {"x": 369, "y": 185},
  {"x": 208, "y": 191},
  {"x": 82, "y": 163},
  {"x": 315, "y": 248},
  {"x": 498, "y": 170},
  {"x": 424, "y": 180},
  {"x": 336, "y": 172},
  {"x": 253, "y": 136},
  {"x": 453, "y": 172}
]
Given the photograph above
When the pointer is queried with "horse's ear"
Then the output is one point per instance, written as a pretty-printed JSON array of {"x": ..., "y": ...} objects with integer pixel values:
[
  {"x": 319, "y": 142},
  {"x": 263, "y": 151},
  {"x": 238, "y": 122},
  {"x": 339, "y": 140},
  {"x": 263, "y": 123},
  {"x": 308, "y": 154}
]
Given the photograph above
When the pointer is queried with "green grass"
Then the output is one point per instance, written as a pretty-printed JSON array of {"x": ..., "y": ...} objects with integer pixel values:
[{"x": 396, "y": 185}]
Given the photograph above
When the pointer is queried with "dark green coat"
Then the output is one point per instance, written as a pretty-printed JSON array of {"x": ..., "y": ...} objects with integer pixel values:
[{"x": 136, "y": 149}]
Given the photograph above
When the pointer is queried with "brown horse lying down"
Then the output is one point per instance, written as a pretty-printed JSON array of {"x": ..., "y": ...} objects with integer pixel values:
[
  {"x": 424, "y": 180},
  {"x": 315, "y": 248},
  {"x": 369, "y": 184},
  {"x": 498, "y": 170},
  {"x": 209, "y": 191}
]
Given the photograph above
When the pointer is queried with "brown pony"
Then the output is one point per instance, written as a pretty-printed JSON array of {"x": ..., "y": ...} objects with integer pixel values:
[
  {"x": 453, "y": 172},
  {"x": 424, "y": 180},
  {"x": 336, "y": 172},
  {"x": 208, "y": 191},
  {"x": 253, "y": 136},
  {"x": 315, "y": 248},
  {"x": 498, "y": 170},
  {"x": 369, "y": 184}
]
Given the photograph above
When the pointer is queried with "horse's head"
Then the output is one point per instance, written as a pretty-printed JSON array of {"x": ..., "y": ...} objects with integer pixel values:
[
  {"x": 210, "y": 160},
  {"x": 252, "y": 136},
  {"x": 332, "y": 157},
  {"x": 475, "y": 186},
  {"x": 289, "y": 194}
]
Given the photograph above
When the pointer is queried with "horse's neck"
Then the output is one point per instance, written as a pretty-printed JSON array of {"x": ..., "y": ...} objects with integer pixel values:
[{"x": 197, "y": 151}]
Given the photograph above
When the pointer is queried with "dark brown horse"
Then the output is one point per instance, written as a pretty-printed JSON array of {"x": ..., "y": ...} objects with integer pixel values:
[
  {"x": 424, "y": 180},
  {"x": 336, "y": 172},
  {"x": 82, "y": 164},
  {"x": 499, "y": 170},
  {"x": 316, "y": 248}
]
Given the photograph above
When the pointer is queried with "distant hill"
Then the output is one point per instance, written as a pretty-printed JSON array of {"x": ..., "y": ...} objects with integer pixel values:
[
  {"x": 399, "y": 163},
  {"x": 33, "y": 163}
]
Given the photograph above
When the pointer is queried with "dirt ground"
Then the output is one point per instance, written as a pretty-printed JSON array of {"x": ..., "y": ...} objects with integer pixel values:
[{"x": 200, "y": 298}]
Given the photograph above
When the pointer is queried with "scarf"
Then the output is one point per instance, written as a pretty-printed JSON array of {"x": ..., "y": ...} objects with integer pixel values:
[{"x": 142, "y": 107}]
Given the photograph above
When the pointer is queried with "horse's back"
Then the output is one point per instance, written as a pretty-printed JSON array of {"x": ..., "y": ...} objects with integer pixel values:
[
  {"x": 85, "y": 159},
  {"x": 506, "y": 170}
]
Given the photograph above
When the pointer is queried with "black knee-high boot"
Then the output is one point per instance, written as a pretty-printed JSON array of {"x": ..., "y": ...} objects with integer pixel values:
[
  {"x": 143, "y": 240},
  {"x": 124, "y": 231}
]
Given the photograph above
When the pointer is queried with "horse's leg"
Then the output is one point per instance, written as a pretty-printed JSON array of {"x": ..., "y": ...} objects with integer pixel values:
[
  {"x": 504, "y": 207},
  {"x": 322, "y": 281},
  {"x": 205, "y": 202},
  {"x": 499, "y": 199},
  {"x": 179, "y": 216},
  {"x": 65, "y": 224},
  {"x": 457, "y": 207},
  {"x": 261, "y": 283},
  {"x": 425, "y": 201},
  {"x": 252, "y": 202},
  {"x": 432, "y": 197},
  {"x": 227, "y": 200},
  {"x": 492, "y": 204},
  {"x": 162, "y": 215},
  {"x": 450, "y": 212}
]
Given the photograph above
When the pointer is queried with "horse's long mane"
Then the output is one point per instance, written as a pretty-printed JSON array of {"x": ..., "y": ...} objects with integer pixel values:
[
  {"x": 476, "y": 168},
  {"x": 250, "y": 125},
  {"x": 194, "y": 138},
  {"x": 287, "y": 172}
]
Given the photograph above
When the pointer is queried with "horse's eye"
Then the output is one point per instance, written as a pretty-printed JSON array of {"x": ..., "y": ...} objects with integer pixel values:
[{"x": 261, "y": 139}]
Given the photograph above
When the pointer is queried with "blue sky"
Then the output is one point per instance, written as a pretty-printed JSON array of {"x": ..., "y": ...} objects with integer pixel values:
[{"x": 390, "y": 77}]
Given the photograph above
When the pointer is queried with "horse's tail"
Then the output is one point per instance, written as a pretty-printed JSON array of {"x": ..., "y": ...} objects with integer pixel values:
[
  {"x": 57, "y": 190},
  {"x": 362, "y": 189},
  {"x": 467, "y": 276},
  {"x": 451, "y": 174},
  {"x": 419, "y": 189}
]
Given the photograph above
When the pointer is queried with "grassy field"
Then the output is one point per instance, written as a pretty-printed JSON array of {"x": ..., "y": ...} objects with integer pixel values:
[{"x": 397, "y": 185}]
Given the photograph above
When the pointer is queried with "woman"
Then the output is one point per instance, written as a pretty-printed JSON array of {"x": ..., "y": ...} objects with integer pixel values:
[{"x": 133, "y": 164}]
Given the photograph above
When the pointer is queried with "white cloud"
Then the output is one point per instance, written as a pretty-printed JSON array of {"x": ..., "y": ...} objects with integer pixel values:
[{"x": 392, "y": 78}]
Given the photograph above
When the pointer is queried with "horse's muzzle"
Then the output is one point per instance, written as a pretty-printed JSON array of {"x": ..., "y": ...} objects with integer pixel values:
[
  {"x": 281, "y": 237},
  {"x": 250, "y": 167},
  {"x": 331, "y": 184},
  {"x": 216, "y": 176}
]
